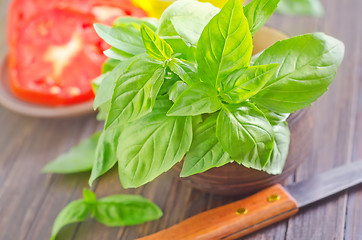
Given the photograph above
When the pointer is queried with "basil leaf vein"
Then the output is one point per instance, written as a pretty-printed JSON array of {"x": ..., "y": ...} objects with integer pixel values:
[
  {"x": 279, "y": 155},
  {"x": 245, "y": 134},
  {"x": 304, "y": 74},
  {"x": 136, "y": 91},
  {"x": 245, "y": 83},
  {"x": 206, "y": 151},
  {"x": 152, "y": 145},
  {"x": 225, "y": 44},
  {"x": 198, "y": 99},
  {"x": 155, "y": 46}
]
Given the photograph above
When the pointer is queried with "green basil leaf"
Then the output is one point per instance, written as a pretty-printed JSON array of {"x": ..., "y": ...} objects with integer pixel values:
[
  {"x": 274, "y": 118},
  {"x": 200, "y": 98},
  {"x": 89, "y": 196},
  {"x": 258, "y": 12},
  {"x": 126, "y": 210},
  {"x": 206, "y": 151},
  {"x": 190, "y": 27},
  {"x": 105, "y": 155},
  {"x": 254, "y": 57},
  {"x": 103, "y": 111},
  {"x": 136, "y": 22},
  {"x": 125, "y": 38},
  {"x": 155, "y": 46},
  {"x": 301, "y": 7},
  {"x": 117, "y": 54},
  {"x": 76, "y": 211},
  {"x": 279, "y": 155},
  {"x": 98, "y": 81},
  {"x": 170, "y": 80},
  {"x": 152, "y": 145},
  {"x": 245, "y": 134},
  {"x": 194, "y": 9},
  {"x": 136, "y": 91},
  {"x": 109, "y": 65},
  {"x": 196, "y": 120},
  {"x": 305, "y": 72},
  {"x": 191, "y": 8},
  {"x": 106, "y": 88},
  {"x": 79, "y": 159},
  {"x": 185, "y": 70},
  {"x": 177, "y": 89},
  {"x": 225, "y": 44},
  {"x": 245, "y": 83},
  {"x": 181, "y": 48}
]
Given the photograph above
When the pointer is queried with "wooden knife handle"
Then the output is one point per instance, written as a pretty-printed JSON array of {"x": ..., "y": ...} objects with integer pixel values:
[{"x": 234, "y": 220}]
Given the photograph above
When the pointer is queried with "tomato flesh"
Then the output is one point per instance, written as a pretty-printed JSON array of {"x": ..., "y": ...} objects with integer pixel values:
[{"x": 54, "y": 57}]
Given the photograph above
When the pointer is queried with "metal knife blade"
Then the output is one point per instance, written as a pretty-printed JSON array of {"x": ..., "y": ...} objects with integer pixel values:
[{"x": 326, "y": 184}]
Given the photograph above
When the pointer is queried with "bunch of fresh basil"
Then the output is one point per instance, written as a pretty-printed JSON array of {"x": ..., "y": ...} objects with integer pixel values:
[{"x": 187, "y": 87}]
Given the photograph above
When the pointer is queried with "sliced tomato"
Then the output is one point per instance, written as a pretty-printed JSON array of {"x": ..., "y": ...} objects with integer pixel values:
[{"x": 57, "y": 53}]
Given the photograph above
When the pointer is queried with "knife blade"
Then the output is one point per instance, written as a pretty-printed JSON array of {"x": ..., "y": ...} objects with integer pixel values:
[{"x": 262, "y": 209}]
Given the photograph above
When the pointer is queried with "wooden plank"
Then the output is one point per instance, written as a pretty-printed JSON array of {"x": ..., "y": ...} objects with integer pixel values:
[
  {"x": 63, "y": 188},
  {"x": 353, "y": 225},
  {"x": 334, "y": 122}
]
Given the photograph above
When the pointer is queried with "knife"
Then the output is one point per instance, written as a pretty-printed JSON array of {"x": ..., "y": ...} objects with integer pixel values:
[{"x": 262, "y": 209}]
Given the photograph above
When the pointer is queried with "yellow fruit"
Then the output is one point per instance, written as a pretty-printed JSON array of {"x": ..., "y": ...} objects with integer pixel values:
[{"x": 155, "y": 8}]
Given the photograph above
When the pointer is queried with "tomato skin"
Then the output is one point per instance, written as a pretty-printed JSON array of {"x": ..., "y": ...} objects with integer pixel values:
[
  {"x": 45, "y": 99},
  {"x": 33, "y": 75}
]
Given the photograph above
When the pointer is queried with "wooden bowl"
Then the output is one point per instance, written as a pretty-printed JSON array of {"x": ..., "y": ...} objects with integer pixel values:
[{"x": 234, "y": 179}]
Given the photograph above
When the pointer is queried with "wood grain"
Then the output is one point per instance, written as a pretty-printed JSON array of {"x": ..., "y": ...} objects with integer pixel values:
[{"x": 30, "y": 201}]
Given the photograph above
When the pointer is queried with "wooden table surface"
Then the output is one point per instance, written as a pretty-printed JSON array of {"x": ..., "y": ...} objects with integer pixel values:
[{"x": 30, "y": 201}]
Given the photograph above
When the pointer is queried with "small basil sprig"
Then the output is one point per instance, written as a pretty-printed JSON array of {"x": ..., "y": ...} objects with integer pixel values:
[{"x": 114, "y": 211}]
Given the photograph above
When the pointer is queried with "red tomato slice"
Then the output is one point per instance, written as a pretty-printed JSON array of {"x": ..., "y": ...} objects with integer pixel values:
[
  {"x": 57, "y": 55},
  {"x": 21, "y": 11},
  {"x": 54, "y": 52}
]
